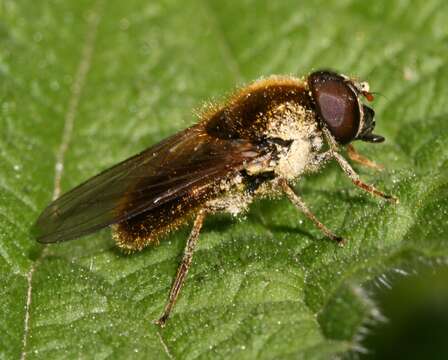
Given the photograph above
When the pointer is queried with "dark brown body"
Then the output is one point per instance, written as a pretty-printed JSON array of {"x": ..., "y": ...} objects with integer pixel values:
[
  {"x": 237, "y": 127},
  {"x": 245, "y": 116}
]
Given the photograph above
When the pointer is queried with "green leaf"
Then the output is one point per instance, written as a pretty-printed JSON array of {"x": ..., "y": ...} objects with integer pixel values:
[{"x": 85, "y": 84}]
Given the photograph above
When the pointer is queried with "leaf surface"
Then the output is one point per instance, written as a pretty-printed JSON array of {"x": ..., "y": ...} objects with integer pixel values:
[{"x": 86, "y": 84}]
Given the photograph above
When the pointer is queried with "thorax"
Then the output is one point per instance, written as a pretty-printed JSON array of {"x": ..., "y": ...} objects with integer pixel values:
[{"x": 292, "y": 133}]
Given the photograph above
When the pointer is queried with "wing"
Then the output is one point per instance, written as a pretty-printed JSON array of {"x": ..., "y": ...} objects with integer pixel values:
[{"x": 143, "y": 182}]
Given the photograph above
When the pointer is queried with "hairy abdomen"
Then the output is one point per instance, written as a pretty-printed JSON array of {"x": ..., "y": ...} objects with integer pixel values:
[{"x": 148, "y": 227}]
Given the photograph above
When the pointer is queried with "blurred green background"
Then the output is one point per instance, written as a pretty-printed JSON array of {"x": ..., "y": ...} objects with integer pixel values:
[
  {"x": 415, "y": 324},
  {"x": 85, "y": 84}
]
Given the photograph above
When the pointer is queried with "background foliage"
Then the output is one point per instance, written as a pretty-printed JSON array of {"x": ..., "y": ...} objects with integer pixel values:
[{"x": 85, "y": 84}]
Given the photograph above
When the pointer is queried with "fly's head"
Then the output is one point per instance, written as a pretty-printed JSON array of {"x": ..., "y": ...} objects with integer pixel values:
[{"x": 338, "y": 102}]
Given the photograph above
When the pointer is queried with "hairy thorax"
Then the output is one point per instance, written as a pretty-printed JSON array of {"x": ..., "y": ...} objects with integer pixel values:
[{"x": 293, "y": 133}]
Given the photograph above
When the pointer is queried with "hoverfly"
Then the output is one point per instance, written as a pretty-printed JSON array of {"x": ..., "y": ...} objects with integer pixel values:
[{"x": 265, "y": 136}]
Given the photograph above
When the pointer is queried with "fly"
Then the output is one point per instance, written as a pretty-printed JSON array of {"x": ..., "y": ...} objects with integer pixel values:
[{"x": 261, "y": 140}]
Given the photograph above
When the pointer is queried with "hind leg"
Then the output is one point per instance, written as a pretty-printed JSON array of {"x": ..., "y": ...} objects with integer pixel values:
[{"x": 184, "y": 266}]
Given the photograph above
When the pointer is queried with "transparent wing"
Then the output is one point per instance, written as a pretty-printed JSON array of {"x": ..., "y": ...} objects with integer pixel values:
[{"x": 143, "y": 182}]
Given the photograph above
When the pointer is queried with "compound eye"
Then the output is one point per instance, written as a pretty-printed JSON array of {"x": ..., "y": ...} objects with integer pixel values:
[{"x": 336, "y": 104}]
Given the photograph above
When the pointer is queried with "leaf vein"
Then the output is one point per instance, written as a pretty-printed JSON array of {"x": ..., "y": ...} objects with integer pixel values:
[
  {"x": 78, "y": 84},
  {"x": 165, "y": 346}
]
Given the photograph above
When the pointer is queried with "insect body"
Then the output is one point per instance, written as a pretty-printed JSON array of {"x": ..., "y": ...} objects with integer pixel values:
[{"x": 264, "y": 137}]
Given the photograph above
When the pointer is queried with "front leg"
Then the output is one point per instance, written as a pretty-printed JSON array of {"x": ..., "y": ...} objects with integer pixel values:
[
  {"x": 360, "y": 159},
  {"x": 354, "y": 177},
  {"x": 348, "y": 170}
]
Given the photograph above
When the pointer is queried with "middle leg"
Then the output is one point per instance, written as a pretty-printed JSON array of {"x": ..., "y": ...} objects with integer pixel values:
[{"x": 298, "y": 202}]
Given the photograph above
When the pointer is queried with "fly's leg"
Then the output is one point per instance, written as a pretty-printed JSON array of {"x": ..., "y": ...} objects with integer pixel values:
[
  {"x": 356, "y": 156},
  {"x": 348, "y": 170},
  {"x": 298, "y": 202},
  {"x": 184, "y": 266},
  {"x": 354, "y": 177}
]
